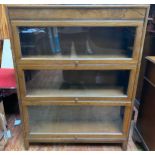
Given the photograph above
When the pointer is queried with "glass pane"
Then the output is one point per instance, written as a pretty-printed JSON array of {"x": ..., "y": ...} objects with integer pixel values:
[
  {"x": 75, "y": 119},
  {"x": 77, "y": 42},
  {"x": 76, "y": 83}
]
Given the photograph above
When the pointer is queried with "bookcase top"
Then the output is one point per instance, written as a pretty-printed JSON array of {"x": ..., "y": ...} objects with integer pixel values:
[{"x": 80, "y": 5}]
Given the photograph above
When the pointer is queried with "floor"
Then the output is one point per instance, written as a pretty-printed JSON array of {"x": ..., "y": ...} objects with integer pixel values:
[{"x": 16, "y": 142}]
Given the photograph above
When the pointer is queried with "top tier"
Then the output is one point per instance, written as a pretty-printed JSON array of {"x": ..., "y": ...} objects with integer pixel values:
[
  {"x": 96, "y": 33},
  {"x": 37, "y": 12}
]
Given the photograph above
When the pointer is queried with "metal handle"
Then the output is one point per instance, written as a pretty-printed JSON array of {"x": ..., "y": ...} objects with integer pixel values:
[
  {"x": 76, "y": 63},
  {"x": 76, "y": 99}
]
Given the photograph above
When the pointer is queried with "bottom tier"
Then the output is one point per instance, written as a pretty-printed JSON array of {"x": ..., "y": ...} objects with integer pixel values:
[{"x": 61, "y": 120}]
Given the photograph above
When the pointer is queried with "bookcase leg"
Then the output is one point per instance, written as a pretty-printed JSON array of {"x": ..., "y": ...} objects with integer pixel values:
[
  {"x": 26, "y": 144},
  {"x": 124, "y": 145}
]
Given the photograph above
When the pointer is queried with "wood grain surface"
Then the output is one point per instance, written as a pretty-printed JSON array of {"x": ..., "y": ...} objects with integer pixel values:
[
  {"x": 4, "y": 32},
  {"x": 72, "y": 16}
]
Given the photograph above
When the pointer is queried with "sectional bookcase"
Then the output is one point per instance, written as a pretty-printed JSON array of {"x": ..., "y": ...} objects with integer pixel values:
[{"x": 77, "y": 69}]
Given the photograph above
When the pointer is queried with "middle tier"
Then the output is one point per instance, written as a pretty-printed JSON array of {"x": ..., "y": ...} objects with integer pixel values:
[{"x": 77, "y": 83}]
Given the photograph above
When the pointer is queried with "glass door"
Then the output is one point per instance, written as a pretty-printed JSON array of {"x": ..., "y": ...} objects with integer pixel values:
[
  {"x": 77, "y": 42},
  {"x": 75, "y": 120},
  {"x": 76, "y": 83},
  {"x": 86, "y": 41}
]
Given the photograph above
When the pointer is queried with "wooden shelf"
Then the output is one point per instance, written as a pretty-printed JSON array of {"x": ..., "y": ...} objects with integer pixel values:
[
  {"x": 108, "y": 54},
  {"x": 105, "y": 92},
  {"x": 74, "y": 119}
]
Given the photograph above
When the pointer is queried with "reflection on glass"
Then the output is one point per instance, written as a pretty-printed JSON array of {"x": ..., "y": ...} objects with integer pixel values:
[
  {"x": 75, "y": 119},
  {"x": 74, "y": 83},
  {"x": 77, "y": 42}
]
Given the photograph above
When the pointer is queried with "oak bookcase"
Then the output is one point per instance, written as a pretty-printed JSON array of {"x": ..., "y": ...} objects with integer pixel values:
[{"x": 77, "y": 68}]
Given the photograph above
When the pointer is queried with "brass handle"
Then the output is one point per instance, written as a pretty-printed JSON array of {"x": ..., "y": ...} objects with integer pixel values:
[
  {"x": 76, "y": 99},
  {"x": 76, "y": 63}
]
